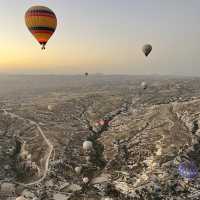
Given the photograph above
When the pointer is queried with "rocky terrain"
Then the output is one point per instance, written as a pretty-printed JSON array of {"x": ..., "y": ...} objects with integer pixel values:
[{"x": 136, "y": 137}]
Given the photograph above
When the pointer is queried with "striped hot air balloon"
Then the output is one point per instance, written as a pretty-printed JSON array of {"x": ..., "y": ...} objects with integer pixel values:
[{"x": 41, "y": 22}]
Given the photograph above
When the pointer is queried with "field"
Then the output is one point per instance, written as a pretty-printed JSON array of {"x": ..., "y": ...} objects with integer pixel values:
[{"x": 44, "y": 121}]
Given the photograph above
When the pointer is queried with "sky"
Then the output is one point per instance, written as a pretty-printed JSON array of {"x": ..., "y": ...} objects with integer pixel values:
[{"x": 104, "y": 36}]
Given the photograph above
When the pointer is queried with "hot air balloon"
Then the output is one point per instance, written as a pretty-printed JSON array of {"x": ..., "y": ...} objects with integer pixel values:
[
  {"x": 87, "y": 145},
  {"x": 78, "y": 170},
  {"x": 101, "y": 122},
  {"x": 50, "y": 108},
  {"x": 147, "y": 49},
  {"x": 85, "y": 180},
  {"x": 41, "y": 22},
  {"x": 144, "y": 85},
  {"x": 188, "y": 169},
  {"x": 86, "y": 74}
]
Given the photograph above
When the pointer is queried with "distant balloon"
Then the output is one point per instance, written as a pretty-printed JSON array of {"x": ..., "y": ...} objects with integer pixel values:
[
  {"x": 144, "y": 85},
  {"x": 188, "y": 169},
  {"x": 101, "y": 122},
  {"x": 78, "y": 170},
  {"x": 86, "y": 74},
  {"x": 85, "y": 180},
  {"x": 87, "y": 145},
  {"x": 88, "y": 158},
  {"x": 50, "y": 108},
  {"x": 41, "y": 22},
  {"x": 147, "y": 48},
  {"x": 20, "y": 198}
]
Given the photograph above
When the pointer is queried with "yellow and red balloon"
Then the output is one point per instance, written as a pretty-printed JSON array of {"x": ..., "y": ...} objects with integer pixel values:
[{"x": 41, "y": 22}]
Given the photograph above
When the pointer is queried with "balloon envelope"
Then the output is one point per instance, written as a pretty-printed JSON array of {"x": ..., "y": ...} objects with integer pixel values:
[
  {"x": 188, "y": 170},
  {"x": 147, "y": 48},
  {"x": 41, "y": 22},
  {"x": 144, "y": 85},
  {"x": 87, "y": 145}
]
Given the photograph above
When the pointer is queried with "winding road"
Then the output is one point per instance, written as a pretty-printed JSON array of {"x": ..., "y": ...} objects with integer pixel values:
[{"x": 12, "y": 115}]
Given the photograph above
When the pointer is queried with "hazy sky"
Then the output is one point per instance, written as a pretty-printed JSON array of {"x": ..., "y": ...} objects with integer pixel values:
[{"x": 104, "y": 36}]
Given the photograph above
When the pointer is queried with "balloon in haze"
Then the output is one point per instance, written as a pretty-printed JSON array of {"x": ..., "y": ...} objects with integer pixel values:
[
  {"x": 87, "y": 145},
  {"x": 147, "y": 48},
  {"x": 50, "y": 108},
  {"x": 86, "y": 74},
  {"x": 144, "y": 85},
  {"x": 188, "y": 169},
  {"x": 41, "y": 22}
]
